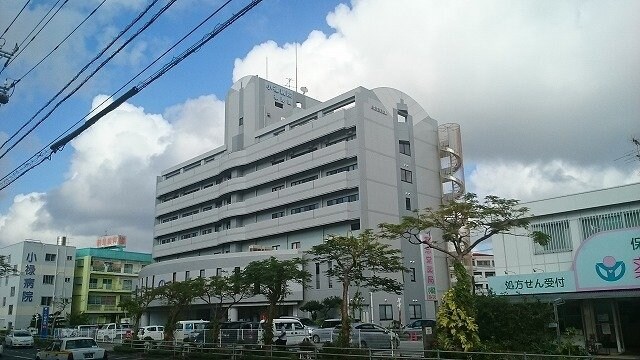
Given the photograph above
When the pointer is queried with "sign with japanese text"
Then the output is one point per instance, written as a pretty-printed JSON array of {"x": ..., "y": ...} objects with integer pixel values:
[
  {"x": 44, "y": 326},
  {"x": 29, "y": 277},
  {"x": 535, "y": 283},
  {"x": 428, "y": 267},
  {"x": 112, "y": 240}
]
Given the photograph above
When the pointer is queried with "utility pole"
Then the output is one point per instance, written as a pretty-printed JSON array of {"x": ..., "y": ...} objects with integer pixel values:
[{"x": 4, "y": 89}]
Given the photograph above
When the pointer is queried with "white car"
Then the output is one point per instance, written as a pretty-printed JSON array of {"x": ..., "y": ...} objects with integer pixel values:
[
  {"x": 111, "y": 331},
  {"x": 17, "y": 338},
  {"x": 155, "y": 332},
  {"x": 72, "y": 349}
]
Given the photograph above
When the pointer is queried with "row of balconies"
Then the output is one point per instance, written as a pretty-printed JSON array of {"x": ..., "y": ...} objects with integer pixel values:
[
  {"x": 309, "y": 190},
  {"x": 302, "y": 134}
]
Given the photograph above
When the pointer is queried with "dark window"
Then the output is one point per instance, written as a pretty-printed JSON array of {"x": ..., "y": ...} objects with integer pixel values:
[
  {"x": 278, "y": 214},
  {"x": 317, "y": 275},
  {"x": 386, "y": 312},
  {"x": 279, "y": 105},
  {"x": 302, "y": 181},
  {"x": 406, "y": 176},
  {"x": 50, "y": 257},
  {"x": 47, "y": 279},
  {"x": 407, "y": 203},
  {"x": 412, "y": 273},
  {"x": 355, "y": 225},
  {"x": 329, "y": 280},
  {"x": 415, "y": 311},
  {"x": 277, "y": 188},
  {"x": 240, "y": 121},
  {"x": 405, "y": 147},
  {"x": 201, "y": 273}
]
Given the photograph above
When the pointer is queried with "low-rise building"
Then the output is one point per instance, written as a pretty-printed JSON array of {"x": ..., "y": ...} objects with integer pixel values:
[
  {"x": 105, "y": 276},
  {"x": 589, "y": 270},
  {"x": 43, "y": 281}
]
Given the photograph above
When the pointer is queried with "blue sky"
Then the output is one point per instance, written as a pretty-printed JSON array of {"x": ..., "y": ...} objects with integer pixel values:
[{"x": 547, "y": 95}]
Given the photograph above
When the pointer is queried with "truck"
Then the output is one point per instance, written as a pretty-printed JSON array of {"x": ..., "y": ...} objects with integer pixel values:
[{"x": 112, "y": 331}]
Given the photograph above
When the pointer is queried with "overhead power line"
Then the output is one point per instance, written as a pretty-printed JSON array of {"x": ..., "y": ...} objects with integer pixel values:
[
  {"x": 60, "y": 43},
  {"x": 87, "y": 78},
  {"x": 37, "y": 33},
  {"x": 56, "y": 146},
  {"x": 96, "y": 57},
  {"x": 15, "y": 18}
]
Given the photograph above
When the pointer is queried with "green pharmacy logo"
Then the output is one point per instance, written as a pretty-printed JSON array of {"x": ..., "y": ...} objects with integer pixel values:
[{"x": 610, "y": 269}]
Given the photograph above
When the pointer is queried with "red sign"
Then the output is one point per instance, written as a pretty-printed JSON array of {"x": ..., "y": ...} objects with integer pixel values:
[
  {"x": 428, "y": 268},
  {"x": 112, "y": 240}
]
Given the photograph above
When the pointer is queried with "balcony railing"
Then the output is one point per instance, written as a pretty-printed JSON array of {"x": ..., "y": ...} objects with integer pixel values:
[
  {"x": 93, "y": 307},
  {"x": 115, "y": 287}
]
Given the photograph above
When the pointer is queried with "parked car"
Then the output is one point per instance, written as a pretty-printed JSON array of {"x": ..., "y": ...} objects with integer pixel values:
[
  {"x": 184, "y": 329},
  {"x": 153, "y": 332},
  {"x": 416, "y": 326},
  {"x": 296, "y": 333},
  {"x": 111, "y": 331},
  {"x": 86, "y": 330},
  {"x": 16, "y": 338},
  {"x": 239, "y": 331},
  {"x": 368, "y": 335},
  {"x": 325, "y": 332},
  {"x": 308, "y": 323},
  {"x": 72, "y": 348}
]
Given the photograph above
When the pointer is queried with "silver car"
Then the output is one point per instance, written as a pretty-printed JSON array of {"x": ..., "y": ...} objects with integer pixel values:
[
  {"x": 17, "y": 338},
  {"x": 368, "y": 335}
]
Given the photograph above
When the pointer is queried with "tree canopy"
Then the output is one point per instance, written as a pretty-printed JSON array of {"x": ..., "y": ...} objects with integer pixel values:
[
  {"x": 360, "y": 260},
  {"x": 272, "y": 279},
  {"x": 177, "y": 295},
  {"x": 465, "y": 223},
  {"x": 221, "y": 293},
  {"x": 5, "y": 267},
  {"x": 136, "y": 305}
]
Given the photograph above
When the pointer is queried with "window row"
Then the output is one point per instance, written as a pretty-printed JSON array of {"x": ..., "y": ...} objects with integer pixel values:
[{"x": 328, "y": 140}]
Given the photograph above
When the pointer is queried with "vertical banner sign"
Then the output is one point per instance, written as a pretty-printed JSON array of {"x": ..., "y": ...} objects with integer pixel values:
[
  {"x": 44, "y": 326},
  {"x": 428, "y": 268}
]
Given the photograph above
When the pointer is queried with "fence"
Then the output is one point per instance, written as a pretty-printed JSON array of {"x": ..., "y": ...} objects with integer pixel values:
[{"x": 317, "y": 352}]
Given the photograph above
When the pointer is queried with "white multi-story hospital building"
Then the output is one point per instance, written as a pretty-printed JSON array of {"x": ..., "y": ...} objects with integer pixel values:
[
  {"x": 294, "y": 170},
  {"x": 590, "y": 269}
]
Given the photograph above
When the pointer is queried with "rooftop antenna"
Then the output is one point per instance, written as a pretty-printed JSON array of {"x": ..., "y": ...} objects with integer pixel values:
[
  {"x": 304, "y": 90},
  {"x": 289, "y": 83}
]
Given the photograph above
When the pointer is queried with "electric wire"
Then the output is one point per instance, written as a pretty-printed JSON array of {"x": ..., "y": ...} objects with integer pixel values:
[
  {"x": 36, "y": 35},
  {"x": 87, "y": 78},
  {"x": 60, "y": 43},
  {"x": 56, "y": 146},
  {"x": 96, "y": 57},
  {"x": 15, "y": 18}
]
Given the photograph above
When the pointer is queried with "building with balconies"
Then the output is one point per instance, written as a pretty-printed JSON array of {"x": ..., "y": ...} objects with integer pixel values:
[
  {"x": 104, "y": 277},
  {"x": 294, "y": 170}
]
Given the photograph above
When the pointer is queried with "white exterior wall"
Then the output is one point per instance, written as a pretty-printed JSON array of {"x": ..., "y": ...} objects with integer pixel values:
[
  {"x": 250, "y": 159},
  {"x": 33, "y": 253},
  {"x": 515, "y": 254}
]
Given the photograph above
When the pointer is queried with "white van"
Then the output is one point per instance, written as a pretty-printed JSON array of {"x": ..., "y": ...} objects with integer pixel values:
[
  {"x": 296, "y": 332},
  {"x": 185, "y": 327}
]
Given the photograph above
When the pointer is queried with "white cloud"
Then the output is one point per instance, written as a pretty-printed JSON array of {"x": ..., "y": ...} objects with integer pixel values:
[
  {"x": 531, "y": 83},
  {"x": 533, "y": 181},
  {"x": 110, "y": 185}
]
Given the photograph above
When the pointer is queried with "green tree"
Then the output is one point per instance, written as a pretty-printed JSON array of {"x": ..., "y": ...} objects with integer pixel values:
[
  {"x": 221, "y": 293},
  {"x": 272, "y": 279},
  {"x": 457, "y": 328},
  {"x": 5, "y": 267},
  {"x": 465, "y": 223},
  {"x": 359, "y": 260},
  {"x": 313, "y": 307},
  {"x": 75, "y": 319},
  {"x": 177, "y": 295},
  {"x": 500, "y": 322},
  {"x": 138, "y": 304},
  {"x": 329, "y": 304}
]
